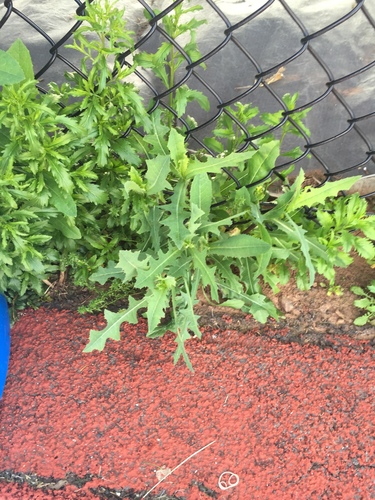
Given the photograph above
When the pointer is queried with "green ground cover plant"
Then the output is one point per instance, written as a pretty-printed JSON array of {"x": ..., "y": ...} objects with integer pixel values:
[
  {"x": 367, "y": 303},
  {"x": 103, "y": 191}
]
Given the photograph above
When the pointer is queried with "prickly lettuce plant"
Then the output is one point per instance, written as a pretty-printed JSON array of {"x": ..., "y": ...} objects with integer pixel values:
[
  {"x": 186, "y": 248},
  {"x": 168, "y": 62},
  {"x": 191, "y": 243},
  {"x": 236, "y": 127}
]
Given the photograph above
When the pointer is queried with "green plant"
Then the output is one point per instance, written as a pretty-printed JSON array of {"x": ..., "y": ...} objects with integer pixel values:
[
  {"x": 228, "y": 136},
  {"x": 343, "y": 227},
  {"x": 186, "y": 248},
  {"x": 106, "y": 297},
  {"x": 11, "y": 71},
  {"x": 192, "y": 243},
  {"x": 167, "y": 62},
  {"x": 63, "y": 199},
  {"x": 367, "y": 303},
  {"x": 25, "y": 231},
  {"x": 104, "y": 192}
]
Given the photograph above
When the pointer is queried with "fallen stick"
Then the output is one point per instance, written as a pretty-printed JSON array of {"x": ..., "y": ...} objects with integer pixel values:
[{"x": 179, "y": 465}]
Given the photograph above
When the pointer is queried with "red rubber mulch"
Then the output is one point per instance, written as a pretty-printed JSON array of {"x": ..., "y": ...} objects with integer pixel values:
[{"x": 292, "y": 421}]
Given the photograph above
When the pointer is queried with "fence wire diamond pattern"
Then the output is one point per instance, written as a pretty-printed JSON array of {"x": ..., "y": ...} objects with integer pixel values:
[{"x": 253, "y": 52}]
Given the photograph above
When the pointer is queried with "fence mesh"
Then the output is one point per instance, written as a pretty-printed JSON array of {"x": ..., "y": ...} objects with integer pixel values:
[{"x": 253, "y": 52}]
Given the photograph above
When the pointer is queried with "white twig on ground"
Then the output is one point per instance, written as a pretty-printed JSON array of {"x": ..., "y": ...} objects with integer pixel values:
[{"x": 179, "y": 465}]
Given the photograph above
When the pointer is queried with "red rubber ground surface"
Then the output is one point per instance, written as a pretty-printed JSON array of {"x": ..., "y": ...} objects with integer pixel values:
[{"x": 293, "y": 422}]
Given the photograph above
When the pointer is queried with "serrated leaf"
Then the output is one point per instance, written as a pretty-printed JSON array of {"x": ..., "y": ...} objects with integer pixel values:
[
  {"x": 130, "y": 263},
  {"x": 157, "y": 302},
  {"x": 131, "y": 186},
  {"x": 362, "y": 320},
  {"x": 248, "y": 277},
  {"x": 94, "y": 194},
  {"x": 290, "y": 100},
  {"x": 157, "y": 138},
  {"x": 182, "y": 336},
  {"x": 261, "y": 307},
  {"x": 234, "y": 303},
  {"x": 60, "y": 199},
  {"x": 262, "y": 162},
  {"x": 155, "y": 268},
  {"x": 367, "y": 226},
  {"x": 184, "y": 95},
  {"x": 98, "y": 338},
  {"x": 215, "y": 165},
  {"x": 21, "y": 54},
  {"x": 186, "y": 316},
  {"x": 175, "y": 221},
  {"x": 365, "y": 248},
  {"x": 271, "y": 118},
  {"x": 310, "y": 196},
  {"x": 257, "y": 304},
  {"x": 325, "y": 219},
  {"x": 153, "y": 227},
  {"x": 363, "y": 303},
  {"x": 68, "y": 229},
  {"x": 177, "y": 148},
  {"x": 214, "y": 144},
  {"x": 4, "y": 137},
  {"x": 207, "y": 272},
  {"x": 317, "y": 248},
  {"x": 225, "y": 273},
  {"x": 265, "y": 257},
  {"x": 214, "y": 227},
  {"x": 201, "y": 193},
  {"x": 126, "y": 152},
  {"x": 195, "y": 215},
  {"x": 103, "y": 274},
  {"x": 10, "y": 71},
  {"x": 357, "y": 290},
  {"x": 298, "y": 233},
  {"x": 157, "y": 172},
  {"x": 61, "y": 175},
  {"x": 241, "y": 245}
]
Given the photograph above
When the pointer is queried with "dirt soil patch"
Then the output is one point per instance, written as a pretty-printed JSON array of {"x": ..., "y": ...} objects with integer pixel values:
[{"x": 311, "y": 317}]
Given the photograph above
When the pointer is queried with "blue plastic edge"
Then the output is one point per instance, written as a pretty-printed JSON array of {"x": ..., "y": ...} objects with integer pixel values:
[{"x": 4, "y": 342}]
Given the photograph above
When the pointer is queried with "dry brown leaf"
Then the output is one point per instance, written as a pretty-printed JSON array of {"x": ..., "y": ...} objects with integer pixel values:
[
  {"x": 60, "y": 484},
  {"x": 163, "y": 472},
  {"x": 277, "y": 76},
  {"x": 367, "y": 334}
]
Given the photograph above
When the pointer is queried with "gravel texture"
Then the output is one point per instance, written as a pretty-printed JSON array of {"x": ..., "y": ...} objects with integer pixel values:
[{"x": 292, "y": 421}]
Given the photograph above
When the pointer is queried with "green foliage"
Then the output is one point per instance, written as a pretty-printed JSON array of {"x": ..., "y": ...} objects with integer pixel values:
[
  {"x": 228, "y": 136},
  {"x": 15, "y": 64},
  {"x": 106, "y": 296},
  {"x": 167, "y": 63},
  {"x": 367, "y": 303},
  {"x": 63, "y": 201},
  {"x": 116, "y": 197},
  {"x": 187, "y": 248}
]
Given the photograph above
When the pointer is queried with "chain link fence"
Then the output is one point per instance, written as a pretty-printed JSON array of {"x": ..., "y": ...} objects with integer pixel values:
[{"x": 253, "y": 52}]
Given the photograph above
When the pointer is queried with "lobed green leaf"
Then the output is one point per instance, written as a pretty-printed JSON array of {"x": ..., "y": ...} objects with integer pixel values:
[{"x": 241, "y": 245}]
